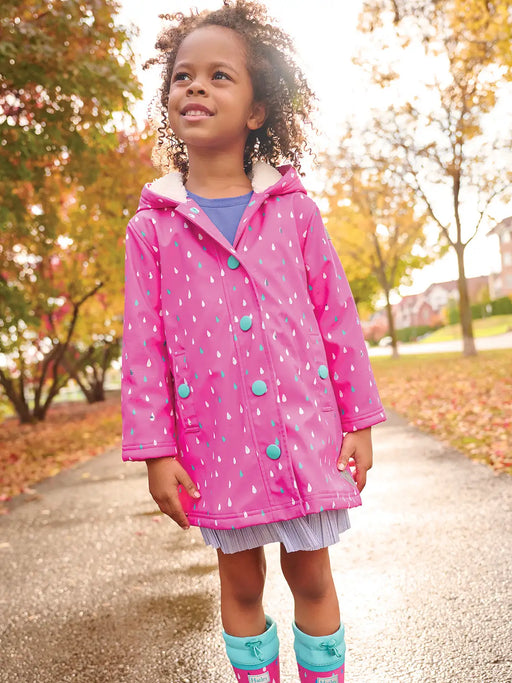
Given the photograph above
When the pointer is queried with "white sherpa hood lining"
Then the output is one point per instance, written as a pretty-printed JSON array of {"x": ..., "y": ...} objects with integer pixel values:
[{"x": 171, "y": 185}]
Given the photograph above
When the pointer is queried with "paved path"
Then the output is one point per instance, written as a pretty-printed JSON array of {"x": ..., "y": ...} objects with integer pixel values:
[
  {"x": 501, "y": 341},
  {"x": 97, "y": 588}
]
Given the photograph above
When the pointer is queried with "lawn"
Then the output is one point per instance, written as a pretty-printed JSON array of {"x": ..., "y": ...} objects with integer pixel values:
[
  {"x": 486, "y": 327},
  {"x": 466, "y": 402}
]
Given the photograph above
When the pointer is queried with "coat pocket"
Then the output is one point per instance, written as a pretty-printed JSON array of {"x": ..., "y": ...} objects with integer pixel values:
[
  {"x": 184, "y": 392},
  {"x": 321, "y": 378}
]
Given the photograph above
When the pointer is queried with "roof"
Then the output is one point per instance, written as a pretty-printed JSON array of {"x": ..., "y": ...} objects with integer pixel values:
[{"x": 505, "y": 224}]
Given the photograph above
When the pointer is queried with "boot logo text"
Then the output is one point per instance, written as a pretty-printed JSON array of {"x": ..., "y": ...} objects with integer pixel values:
[{"x": 259, "y": 678}]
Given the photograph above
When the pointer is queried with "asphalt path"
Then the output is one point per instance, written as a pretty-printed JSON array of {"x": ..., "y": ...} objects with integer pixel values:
[{"x": 98, "y": 588}]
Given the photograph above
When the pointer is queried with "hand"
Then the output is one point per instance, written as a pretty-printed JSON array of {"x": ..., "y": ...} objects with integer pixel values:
[
  {"x": 165, "y": 475},
  {"x": 356, "y": 450}
]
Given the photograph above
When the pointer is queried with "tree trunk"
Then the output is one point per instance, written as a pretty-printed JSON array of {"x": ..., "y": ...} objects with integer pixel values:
[
  {"x": 17, "y": 398},
  {"x": 466, "y": 321},
  {"x": 391, "y": 326}
]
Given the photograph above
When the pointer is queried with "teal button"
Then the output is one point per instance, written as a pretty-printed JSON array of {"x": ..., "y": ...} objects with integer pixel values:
[
  {"x": 233, "y": 262},
  {"x": 323, "y": 371},
  {"x": 259, "y": 387},
  {"x": 184, "y": 390},
  {"x": 245, "y": 323},
  {"x": 273, "y": 451}
]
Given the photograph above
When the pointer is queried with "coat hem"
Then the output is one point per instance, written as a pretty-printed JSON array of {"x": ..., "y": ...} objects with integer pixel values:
[{"x": 280, "y": 514}]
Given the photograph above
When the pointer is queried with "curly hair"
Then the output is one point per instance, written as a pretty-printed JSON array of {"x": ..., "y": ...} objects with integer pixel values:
[{"x": 276, "y": 79}]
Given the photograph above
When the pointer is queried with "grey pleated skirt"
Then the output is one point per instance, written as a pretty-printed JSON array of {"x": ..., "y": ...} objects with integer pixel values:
[{"x": 311, "y": 532}]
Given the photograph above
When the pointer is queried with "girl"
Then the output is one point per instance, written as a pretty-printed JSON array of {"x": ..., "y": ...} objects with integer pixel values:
[{"x": 246, "y": 383}]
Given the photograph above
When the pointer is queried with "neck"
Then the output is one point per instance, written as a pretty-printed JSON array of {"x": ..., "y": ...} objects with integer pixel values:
[{"x": 216, "y": 175}]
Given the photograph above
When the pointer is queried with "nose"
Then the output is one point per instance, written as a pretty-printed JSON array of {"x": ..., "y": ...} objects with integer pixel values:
[{"x": 196, "y": 88}]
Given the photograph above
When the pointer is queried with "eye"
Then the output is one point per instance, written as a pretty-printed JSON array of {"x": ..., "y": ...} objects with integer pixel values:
[
  {"x": 180, "y": 76},
  {"x": 221, "y": 76}
]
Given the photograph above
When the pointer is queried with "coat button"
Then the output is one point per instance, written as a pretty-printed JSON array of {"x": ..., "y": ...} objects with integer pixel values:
[
  {"x": 259, "y": 387},
  {"x": 323, "y": 371},
  {"x": 273, "y": 451},
  {"x": 245, "y": 323},
  {"x": 233, "y": 262},
  {"x": 184, "y": 390}
]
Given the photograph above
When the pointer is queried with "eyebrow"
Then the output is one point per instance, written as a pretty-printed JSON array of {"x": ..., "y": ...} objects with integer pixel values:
[{"x": 214, "y": 65}]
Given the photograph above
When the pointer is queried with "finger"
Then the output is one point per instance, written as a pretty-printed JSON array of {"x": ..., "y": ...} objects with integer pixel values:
[
  {"x": 345, "y": 454},
  {"x": 188, "y": 484},
  {"x": 360, "y": 478},
  {"x": 172, "y": 508}
]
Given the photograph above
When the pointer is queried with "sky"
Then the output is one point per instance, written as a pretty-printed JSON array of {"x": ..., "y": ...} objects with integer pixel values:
[{"x": 326, "y": 39}]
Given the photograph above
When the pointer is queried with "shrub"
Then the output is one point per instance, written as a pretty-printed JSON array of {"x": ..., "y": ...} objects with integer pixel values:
[{"x": 408, "y": 334}]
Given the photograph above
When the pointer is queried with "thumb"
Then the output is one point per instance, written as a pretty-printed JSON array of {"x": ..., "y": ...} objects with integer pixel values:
[
  {"x": 187, "y": 483},
  {"x": 345, "y": 454}
]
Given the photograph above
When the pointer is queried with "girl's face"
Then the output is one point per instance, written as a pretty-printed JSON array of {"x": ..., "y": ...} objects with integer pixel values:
[{"x": 211, "y": 96}]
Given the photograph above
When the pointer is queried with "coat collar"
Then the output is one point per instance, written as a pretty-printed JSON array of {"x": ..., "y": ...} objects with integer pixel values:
[{"x": 171, "y": 185}]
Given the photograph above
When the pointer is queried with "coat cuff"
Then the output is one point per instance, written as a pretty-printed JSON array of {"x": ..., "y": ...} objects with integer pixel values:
[
  {"x": 363, "y": 421},
  {"x": 148, "y": 451}
]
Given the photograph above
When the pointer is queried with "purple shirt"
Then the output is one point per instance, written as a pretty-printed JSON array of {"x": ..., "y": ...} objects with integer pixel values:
[{"x": 225, "y": 213}]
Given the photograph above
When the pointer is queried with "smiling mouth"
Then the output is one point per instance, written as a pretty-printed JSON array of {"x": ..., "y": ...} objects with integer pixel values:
[{"x": 196, "y": 112}]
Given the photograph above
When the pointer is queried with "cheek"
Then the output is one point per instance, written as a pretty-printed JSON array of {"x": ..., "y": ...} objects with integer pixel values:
[{"x": 172, "y": 106}]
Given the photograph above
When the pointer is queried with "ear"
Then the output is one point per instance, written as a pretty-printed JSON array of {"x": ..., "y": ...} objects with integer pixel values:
[{"x": 257, "y": 116}]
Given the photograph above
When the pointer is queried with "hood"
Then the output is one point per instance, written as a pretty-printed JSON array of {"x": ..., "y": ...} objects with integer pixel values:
[{"x": 169, "y": 190}]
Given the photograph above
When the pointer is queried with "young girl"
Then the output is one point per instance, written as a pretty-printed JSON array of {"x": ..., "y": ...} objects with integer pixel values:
[{"x": 246, "y": 383}]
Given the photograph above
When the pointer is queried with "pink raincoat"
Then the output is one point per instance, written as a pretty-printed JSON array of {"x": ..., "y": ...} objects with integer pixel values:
[{"x": 246, "y": 362}]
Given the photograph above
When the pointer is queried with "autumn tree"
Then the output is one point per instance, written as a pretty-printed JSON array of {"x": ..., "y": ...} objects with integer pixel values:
[
  {"x": 375, "y": 224},
  {"x": 442, "y": 137},
  {"x": 482, "y": 25},
  {"x": 94, "y": 231},
  {"x": 66, "y": 70}
]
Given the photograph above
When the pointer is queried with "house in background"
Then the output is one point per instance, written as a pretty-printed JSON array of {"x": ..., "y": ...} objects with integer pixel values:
[
  {"x": 429, "y": 307},
  {"x": 500, "y": 284}
]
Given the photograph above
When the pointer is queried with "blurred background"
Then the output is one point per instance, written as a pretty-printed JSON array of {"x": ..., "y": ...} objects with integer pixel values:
[{"x": 411, "y": 168}]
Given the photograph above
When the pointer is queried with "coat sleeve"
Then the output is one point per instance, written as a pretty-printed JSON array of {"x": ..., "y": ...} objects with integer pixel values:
[
  {"x": 349, "y": 367},
  {"x": 146, "y": 386}
]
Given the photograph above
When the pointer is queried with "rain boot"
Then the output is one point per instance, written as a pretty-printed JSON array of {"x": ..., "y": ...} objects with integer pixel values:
[
  {"x": 255, "y": 659},
  {"x": 320, "y": 659}
]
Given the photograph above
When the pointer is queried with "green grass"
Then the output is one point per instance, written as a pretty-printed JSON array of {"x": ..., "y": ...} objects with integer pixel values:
[{"x": 487, "y": 327}]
